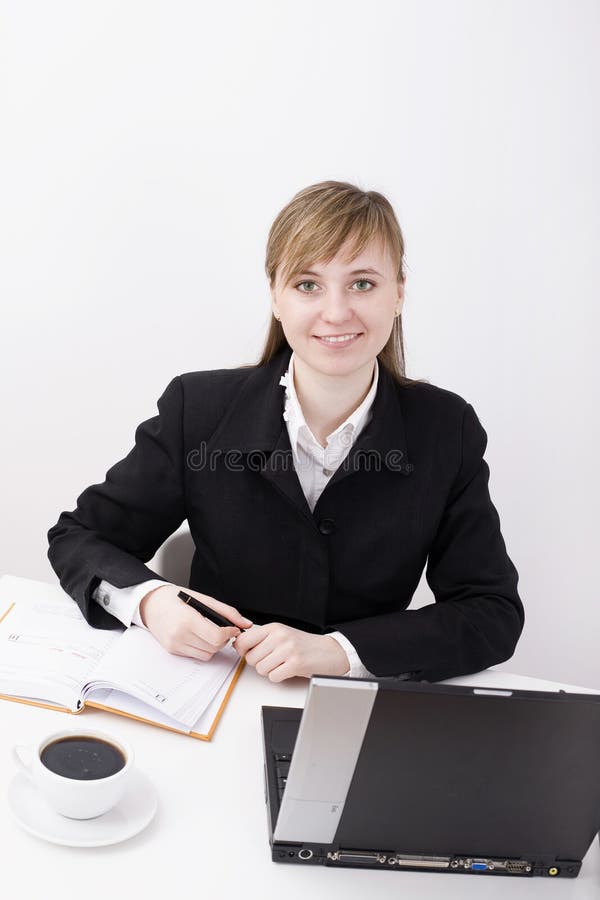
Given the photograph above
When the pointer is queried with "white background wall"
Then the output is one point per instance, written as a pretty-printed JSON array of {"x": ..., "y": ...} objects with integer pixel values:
[{"x": 145, "y": 149}]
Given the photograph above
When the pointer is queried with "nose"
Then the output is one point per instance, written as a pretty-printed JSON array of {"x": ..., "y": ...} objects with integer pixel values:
[{"x": 337, "y": 306}]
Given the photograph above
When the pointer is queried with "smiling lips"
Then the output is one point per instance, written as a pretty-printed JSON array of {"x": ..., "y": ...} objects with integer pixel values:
[{"x": 341, "y": 340}]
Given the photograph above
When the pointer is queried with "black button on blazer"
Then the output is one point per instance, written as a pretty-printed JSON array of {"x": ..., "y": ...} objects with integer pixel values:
[{"x": 412, "y": 492}]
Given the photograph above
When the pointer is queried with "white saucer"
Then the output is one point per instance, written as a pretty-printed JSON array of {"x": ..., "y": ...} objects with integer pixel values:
[{"x": 134, "y": 811}]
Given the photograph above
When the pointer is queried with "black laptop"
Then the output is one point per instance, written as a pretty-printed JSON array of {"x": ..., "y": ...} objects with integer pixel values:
[{"x": 397, "y": 775}]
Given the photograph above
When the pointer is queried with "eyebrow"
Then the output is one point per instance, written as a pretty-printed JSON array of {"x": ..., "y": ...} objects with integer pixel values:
[{"x": 366, "y": 271}]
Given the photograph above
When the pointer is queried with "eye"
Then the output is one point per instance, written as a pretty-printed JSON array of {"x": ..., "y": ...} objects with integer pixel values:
[{"x": 305, "y": 282}]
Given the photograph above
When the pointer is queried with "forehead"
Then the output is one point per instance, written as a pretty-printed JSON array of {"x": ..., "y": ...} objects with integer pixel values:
[{"x": 375, "y": 255}]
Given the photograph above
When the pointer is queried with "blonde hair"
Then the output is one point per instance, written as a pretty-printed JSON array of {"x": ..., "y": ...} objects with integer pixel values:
[{"x": 312, "y": 228}]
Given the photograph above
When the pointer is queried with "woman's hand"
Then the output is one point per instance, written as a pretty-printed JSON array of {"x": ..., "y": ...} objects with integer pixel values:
[
  {"x": 279, "y": 652},
  {"x": 182, "y": 630}
]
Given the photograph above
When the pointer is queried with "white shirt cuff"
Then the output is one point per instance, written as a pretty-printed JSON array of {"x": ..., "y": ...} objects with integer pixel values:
[
  {"x": 124, "y": 603},
  {"x": 357, "y": 670}
]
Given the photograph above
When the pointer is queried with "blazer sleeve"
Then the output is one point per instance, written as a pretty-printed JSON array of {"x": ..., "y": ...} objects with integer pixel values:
[
  {"x": 119, "y": 525},
  {"x": 477, "y": 616}
]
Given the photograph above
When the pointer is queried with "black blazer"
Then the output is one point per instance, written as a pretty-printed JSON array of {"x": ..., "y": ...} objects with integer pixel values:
[{"x": 412, "y": 491}]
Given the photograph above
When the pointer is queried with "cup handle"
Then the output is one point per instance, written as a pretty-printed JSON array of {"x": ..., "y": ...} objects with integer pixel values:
[{"x": 22, "y": 757}]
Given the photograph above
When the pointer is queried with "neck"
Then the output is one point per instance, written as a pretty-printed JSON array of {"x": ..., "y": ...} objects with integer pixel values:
[{"x": 328, "y": 400}]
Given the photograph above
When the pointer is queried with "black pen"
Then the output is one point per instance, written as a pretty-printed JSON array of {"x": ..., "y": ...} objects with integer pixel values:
[{"x": 207, "y": 611}]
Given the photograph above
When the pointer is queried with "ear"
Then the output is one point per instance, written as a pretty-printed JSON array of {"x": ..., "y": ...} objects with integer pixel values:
[
  {"x": 274, "y": 307},
  {"x": 400, "y": 302}
]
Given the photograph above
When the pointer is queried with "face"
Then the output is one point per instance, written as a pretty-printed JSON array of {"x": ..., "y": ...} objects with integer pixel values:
[{"x": 353, "y": 300}]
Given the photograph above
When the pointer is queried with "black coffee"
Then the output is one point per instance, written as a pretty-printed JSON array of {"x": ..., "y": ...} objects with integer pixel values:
[{"x": 84, "y": 758}]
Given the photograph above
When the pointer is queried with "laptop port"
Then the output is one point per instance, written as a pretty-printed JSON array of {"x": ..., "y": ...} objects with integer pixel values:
[
  {"x": 422, "y": 862},
  {"x": 305, "y": 853},
  {"x": 358, "y": 856},
  {"x": 518, "y": 866},
  {"x": 481, "y": 865}
]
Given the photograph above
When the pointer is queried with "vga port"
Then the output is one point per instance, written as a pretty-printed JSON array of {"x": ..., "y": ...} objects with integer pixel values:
[{"x": 481, "y": 865}]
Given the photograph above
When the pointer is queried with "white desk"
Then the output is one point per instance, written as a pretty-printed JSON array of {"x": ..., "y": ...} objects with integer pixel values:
[{"x": 209, "y": 837}]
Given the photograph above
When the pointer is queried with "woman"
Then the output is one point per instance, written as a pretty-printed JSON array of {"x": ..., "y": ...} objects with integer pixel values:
[{"x": 317, "y": 484}]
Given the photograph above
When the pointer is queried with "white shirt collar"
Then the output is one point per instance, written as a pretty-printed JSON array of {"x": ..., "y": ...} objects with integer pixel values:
[{"x": 296, "y": 422}]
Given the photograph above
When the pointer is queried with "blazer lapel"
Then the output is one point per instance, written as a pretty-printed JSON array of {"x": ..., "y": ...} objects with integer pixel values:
[
  {"x": 254, "y": 427},
  {"x": 382, "y": 442}
]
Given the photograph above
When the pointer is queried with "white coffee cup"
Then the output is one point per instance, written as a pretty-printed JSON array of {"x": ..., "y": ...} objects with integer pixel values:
[{"x": 74, "y": 797}]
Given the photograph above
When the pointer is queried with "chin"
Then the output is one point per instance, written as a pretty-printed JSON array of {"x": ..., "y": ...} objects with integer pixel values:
[{"x": 342, "y": 365}]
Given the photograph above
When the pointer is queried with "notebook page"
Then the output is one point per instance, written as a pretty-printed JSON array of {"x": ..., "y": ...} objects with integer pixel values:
[
  {"x": 127, "y": 703},
  {"x": 203, "y": 724},
  {"x": 47, "y": 649},
  {"x": 178, "y": 686}
]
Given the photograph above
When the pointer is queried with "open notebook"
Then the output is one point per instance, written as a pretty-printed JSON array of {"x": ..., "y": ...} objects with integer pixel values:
[{"x": 50, "y": 656}]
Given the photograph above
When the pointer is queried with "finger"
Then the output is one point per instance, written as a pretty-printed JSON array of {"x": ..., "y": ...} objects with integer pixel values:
[
  {"x": 270, "y": 662},
  {"x": 230, "y": 612},
  {"x": 192, "y": 641},
  {"x": 258, "y": 633},
  {"x": 193, "y": 653},
  {"x": 219, "y": 637},
  {"x": 280, "y": 673},
  {"x": 261, "y": 651},
  {"x": 250, "y": 639},
  {"x": 210, "y": 633},
  {"x": 191, "y": 631},
  {"x": 193, "y": 637}
]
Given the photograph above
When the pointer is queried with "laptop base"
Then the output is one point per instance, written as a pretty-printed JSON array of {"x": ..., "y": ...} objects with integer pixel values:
[{"x": 302, "y": 854}]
